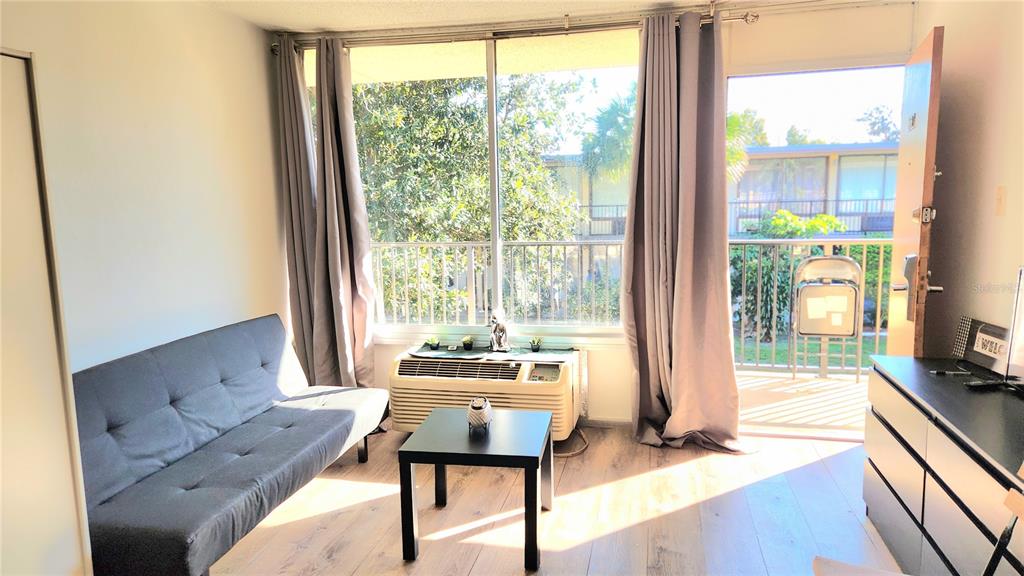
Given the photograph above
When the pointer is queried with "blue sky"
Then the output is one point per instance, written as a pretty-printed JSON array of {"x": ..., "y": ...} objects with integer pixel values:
[{"x": 824, "y": 104}]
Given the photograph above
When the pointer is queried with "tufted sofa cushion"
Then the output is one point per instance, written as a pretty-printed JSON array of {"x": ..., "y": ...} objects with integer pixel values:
[
  {"x": 139, "y": 413},
  {"x": 186, "y": 446},
  {"x": 181, "y": 519}
]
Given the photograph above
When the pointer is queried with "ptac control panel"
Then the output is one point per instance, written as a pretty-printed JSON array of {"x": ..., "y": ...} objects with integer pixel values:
[{"x": 544, "y": 373}]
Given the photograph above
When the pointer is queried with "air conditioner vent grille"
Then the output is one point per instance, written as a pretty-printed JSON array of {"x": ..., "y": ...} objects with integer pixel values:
[{"x": 458, "y": 369}]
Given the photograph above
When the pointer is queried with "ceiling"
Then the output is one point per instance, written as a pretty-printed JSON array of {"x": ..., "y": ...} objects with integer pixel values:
[{"x": 353, "y": 15}]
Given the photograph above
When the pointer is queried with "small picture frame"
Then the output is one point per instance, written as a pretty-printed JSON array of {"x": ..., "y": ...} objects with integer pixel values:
[{"x": 453, "y": 348}]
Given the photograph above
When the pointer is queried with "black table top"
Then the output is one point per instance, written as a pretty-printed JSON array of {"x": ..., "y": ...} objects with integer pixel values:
[
  {"x": 515, "y": 438},
  {"x": 989, "y": 422}
]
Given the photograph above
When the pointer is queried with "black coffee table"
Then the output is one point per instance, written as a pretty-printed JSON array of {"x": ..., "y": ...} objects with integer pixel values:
[{"x": 516, "y": 439}]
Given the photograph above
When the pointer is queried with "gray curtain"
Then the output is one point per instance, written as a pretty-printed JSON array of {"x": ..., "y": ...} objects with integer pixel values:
[
  {"x": 676, "y": 305},
  {"x": 328, "y": 238}
]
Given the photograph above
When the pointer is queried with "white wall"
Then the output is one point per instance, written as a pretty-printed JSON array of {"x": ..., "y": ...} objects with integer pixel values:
[
  {"x": 978, "y": 237},
  {"x": 158, "y": 134},
  {"x": 819, "y": 40}
]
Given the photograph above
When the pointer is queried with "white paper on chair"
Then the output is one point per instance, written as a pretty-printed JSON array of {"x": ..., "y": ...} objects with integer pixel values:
[
  {"x": 836, "y": 303},
  {"x": 817, "y": 308}
]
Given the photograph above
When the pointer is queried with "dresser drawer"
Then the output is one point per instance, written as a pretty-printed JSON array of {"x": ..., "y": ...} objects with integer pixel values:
[
  {"x": 898, "y": 530},
  {"x": 954, "y": 533},
  {"x": 908, "y": 421},
  {"x": 975, "y": 487},
  {"x": 897, "y": 466},
  {"x": 931, "y": 564}
]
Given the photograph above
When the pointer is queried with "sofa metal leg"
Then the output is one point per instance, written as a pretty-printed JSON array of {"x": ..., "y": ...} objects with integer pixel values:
[{"x": 364, "y": 451}]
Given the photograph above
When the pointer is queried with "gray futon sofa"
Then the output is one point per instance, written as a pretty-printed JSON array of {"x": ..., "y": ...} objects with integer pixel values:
[{"x": 187, "y": 446}]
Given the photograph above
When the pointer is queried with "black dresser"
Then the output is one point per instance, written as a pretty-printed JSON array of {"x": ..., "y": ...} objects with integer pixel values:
[{"x": 940, "y": 459}]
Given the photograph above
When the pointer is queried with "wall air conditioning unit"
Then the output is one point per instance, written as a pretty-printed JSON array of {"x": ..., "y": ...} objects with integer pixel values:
[{"x": 418, "y": 385}]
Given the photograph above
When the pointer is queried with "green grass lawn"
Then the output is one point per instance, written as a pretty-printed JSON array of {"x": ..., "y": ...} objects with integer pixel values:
[{"x": 781, "y": 357}]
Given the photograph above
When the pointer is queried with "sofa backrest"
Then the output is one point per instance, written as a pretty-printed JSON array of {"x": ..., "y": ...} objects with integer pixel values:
[{"x": 140, "y": 413}]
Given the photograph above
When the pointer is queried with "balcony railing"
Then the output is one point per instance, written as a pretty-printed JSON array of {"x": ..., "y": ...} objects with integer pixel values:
[
  {"x": 603, "y": 220},
  {"x": 859, "y": 216},
  {"x": 761, "y": 279},
  {"x": 564, "y": 282},
  {"x": 576, "y": 283}
]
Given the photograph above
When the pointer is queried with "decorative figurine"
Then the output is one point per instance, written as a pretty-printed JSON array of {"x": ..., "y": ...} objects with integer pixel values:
[
  {"x": 478, "y": 414},
  {"x": 499, "y": 334}
]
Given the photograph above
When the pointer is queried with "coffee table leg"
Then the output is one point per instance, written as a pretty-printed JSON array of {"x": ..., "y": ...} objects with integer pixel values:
[
  {"x": 547, "y": 485},
  {"x": 531, "y": 478},
  {"x": 410, "y": 530},
  {"x": 440, "y": 486}
]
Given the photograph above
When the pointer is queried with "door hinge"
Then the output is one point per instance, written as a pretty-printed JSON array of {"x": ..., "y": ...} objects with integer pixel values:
[{"x": 924, "y": 214}]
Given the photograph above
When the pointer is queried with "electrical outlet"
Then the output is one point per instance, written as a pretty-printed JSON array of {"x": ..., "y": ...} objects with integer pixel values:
[{"x": 1000, "y": 200}]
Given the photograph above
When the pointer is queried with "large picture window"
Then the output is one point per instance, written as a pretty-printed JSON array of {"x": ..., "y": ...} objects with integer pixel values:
[{"x": 563, "y": 128}]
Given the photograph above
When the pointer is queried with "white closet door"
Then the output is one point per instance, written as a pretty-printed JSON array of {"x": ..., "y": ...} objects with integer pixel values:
[{"x": 42, "y": 517}]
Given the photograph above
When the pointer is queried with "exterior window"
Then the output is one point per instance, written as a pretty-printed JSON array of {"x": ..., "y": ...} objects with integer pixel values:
[
  {"x": 564, "y": 126},
  {"x": 309, "y": 73},
  {"x": 867, "y": 177},
  {"x": 797, "y": 185},
  {"x": 565, "y": 143},
  {"x": 421, "y": 127}
]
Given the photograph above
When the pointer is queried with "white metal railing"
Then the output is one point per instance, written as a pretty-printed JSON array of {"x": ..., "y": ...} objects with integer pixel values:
[
  {"x": 761, "y": 277},
  {"x": 573, "y": 282},
  {"x": 576, "y": 283},
  {"x": 859, "y": 215}
]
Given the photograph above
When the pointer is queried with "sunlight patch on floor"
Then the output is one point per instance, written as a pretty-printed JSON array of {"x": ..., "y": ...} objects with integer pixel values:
[
  {"x": 345, "y": 493},
  {"x": 659, "y": 493},
  {"x": 808, "y": 406}
]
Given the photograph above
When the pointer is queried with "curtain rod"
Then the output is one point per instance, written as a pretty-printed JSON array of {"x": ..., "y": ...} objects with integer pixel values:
[
  {"x": 748, "y": 12},
  {"x": 496, "y": 31}
]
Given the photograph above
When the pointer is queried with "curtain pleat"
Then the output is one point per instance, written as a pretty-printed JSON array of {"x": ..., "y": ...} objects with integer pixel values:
[
  {"x": 327, "y": 230},
  {"x": 676, "y": 305}
]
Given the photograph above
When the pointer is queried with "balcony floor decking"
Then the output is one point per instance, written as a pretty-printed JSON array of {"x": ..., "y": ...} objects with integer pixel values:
[{"x": 773, "y": 403}]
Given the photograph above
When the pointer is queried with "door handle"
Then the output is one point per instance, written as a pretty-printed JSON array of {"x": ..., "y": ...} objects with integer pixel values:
[{"x": 910, "y": 286}]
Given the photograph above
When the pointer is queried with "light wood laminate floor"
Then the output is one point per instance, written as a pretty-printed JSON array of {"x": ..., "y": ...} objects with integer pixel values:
[{"x": 620, "y": 508}]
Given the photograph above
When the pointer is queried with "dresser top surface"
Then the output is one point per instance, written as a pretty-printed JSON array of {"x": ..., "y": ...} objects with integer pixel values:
[{"x": 989, "y": 421}]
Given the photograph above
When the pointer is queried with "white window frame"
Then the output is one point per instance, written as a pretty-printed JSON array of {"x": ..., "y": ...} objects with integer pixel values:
[{"x": 578, "y": 334}]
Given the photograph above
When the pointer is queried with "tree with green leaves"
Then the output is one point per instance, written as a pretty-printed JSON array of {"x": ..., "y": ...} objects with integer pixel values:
[
  {"x": 423, "y": 155},
  {"x": 796, "y": 137},
  {"x": 608, "y": 150},
  {"x": 881, "y": 124},
  {"x": 742, "y": 129},
  {"x": 785, "y": 224}
]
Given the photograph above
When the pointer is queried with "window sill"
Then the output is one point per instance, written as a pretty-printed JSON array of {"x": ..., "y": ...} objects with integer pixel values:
[{"x": 567, "y": 336}]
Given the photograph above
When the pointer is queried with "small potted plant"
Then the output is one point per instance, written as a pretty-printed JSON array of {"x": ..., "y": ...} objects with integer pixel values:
[
  {"x": 433, "y": 342},
  {"x": 467, "y": 342},
  {"x": 535, "y": 343}
]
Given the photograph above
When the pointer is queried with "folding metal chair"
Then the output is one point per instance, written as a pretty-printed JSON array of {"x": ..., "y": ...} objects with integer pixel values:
[{"x": 827, "y": 303}]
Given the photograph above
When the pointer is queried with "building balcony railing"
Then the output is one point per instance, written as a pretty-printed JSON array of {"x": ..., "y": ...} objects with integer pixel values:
[
  {"x": 576, "y": 284},
  {"x": 603, "y": 220},
  {"x": 859, "y": 216}
]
